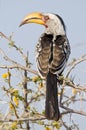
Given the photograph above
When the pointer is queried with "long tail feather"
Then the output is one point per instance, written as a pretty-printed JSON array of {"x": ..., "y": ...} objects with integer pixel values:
[{"x": 51, "y": 107}]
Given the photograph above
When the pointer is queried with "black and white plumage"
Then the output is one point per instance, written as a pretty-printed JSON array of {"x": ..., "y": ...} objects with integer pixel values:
[{"x": 52, "y": 53}]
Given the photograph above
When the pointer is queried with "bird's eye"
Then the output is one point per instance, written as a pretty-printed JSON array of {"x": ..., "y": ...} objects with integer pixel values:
[{"x": 46, "y": 18}]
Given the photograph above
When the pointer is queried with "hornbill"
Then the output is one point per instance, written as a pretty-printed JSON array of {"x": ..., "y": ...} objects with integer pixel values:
[{"x": 52, "y": 53}]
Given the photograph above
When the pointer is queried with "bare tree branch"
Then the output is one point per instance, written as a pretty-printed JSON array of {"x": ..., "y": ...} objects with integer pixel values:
[
  {"x": 15, "y": 64},
  {"x": 13, "y": 45},
  {"x": 76, "y": 62}
]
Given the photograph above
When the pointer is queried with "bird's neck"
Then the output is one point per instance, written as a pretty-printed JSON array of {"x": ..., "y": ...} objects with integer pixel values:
[{"x": 55, "y": 29}]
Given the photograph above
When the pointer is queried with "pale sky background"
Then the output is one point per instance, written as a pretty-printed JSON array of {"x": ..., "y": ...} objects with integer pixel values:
[{"x": 73, "y": 13}]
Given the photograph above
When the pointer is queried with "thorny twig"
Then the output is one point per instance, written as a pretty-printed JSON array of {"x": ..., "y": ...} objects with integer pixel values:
[
  {"x": 15, "y": 64},
  {"x": 24, "y": 119},
  {"x": 76, "y": 62},
  {"x": 25, "y": 87},
  {"x": 13, "y": 45}
]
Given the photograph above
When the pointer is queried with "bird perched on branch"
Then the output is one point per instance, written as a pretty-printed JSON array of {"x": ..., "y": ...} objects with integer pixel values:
[{"x": 52, "y": 53}]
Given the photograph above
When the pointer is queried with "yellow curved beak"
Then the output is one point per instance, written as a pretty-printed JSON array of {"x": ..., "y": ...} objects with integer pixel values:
[{"x": 35, "y": 17}]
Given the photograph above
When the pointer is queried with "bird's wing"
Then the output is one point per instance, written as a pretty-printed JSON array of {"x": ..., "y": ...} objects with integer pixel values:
[
  {"x": 43, "y": 54},
  {"x": 61, "y": 52}
]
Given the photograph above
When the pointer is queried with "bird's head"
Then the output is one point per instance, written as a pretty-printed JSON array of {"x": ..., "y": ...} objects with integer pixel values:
[{"x": 53, "y": 23}]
